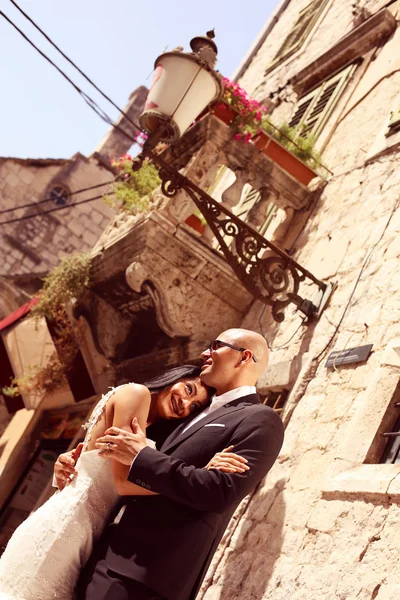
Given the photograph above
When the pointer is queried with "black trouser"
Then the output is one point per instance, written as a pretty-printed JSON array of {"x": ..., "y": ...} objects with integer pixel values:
[
  {"x": 98, "y": 582},
  {"x": 108, "y": 585}
]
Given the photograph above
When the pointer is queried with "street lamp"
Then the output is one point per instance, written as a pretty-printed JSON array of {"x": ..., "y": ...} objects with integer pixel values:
[{"x": 184, "y": 84}]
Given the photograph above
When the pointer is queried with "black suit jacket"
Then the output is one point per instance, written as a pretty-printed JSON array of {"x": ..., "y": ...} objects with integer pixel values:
[{"x": 167, "y": 541}]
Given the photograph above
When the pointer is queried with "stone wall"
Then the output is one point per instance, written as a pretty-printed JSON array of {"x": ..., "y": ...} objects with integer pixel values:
[
  {"x": 325, "y": 524},
  {"x": 36, "y": 244}
]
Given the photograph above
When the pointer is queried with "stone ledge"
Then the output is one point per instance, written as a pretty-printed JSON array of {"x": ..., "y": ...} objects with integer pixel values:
[
  {"x": 350, "y": 481},
  {"x": 351, "y": 47}
]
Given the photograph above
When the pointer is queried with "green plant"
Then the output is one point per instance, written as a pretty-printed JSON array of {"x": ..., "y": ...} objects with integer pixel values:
[
  {"x": 38, "y": 379},
  {"x": 301, "y": 144},
  {"x": 131, "y": 190},
  {"x": 249, "y": 111},
  {"x": 252, "y": 119},
  {"x": 64, "y": 283},
  {"x": 55, "y": 372}
]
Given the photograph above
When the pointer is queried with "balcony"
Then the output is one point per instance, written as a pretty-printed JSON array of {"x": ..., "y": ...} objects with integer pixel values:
[{"x": 161, "y": 289}]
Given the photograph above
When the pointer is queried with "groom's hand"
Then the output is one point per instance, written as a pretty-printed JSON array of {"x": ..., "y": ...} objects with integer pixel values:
[{"x": 122, "y": 445}]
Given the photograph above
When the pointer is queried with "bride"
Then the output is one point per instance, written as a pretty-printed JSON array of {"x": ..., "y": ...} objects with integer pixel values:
[{"x": 46, "y": 553}]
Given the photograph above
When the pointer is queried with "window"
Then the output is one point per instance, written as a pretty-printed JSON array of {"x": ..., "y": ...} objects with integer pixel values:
[
  {"x": 59, "y": 194},
  {"x": 246, "y": 203},
  {"x": 243, "y": 209},
  {"x": 7, "y": 374},
  {"x": 391, "y": 454},
  {"x": 394, "y": 123},
  {"x": 301, "y": 29},
  {"x": 77, "y": 374},
  {"x": 249, "y": 199},
  {"x": 314, "y": 109},
  {"x": 276, "y": 400}
]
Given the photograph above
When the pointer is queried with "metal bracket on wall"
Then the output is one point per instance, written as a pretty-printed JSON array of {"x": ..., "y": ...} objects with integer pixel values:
[{"x": 268, "y": 273}]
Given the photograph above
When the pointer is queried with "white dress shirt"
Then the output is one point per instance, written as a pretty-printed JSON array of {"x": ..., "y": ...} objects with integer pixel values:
[{"x": 218, "y": 401}]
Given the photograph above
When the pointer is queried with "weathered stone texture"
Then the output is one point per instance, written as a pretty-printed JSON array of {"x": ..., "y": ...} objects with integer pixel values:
[
  {"x": 38, "y": 243},
  {"x": 260, "y": 84},
  {"x": 331, "y": 531}
]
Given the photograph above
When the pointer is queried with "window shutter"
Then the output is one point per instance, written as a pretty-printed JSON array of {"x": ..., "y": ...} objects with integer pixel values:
[
  {"x": 394, "y": 124},
  {"x": 300, "y": 31},
  {"x": 315, "y": 108},
  {"x": 272, "y": 209},
  {"x": 296, "y": 35},
  {"x": 249, "y": 198},
  {"x": 276, "y": 400},
  {"x": 301, "y": 111}
]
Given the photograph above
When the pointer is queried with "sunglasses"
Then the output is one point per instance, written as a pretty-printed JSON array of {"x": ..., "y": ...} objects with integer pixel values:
[{"x": 217, "y": 344}]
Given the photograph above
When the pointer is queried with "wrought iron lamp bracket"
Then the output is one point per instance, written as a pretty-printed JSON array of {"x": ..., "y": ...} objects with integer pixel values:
[{"x": 269, "y": 274}]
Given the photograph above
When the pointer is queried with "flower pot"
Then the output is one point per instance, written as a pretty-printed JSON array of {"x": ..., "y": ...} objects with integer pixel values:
[
  {"x": 195, "y": 223},
  {"x": 223, "y": 112},
  {"x": 284, "y": 158}
]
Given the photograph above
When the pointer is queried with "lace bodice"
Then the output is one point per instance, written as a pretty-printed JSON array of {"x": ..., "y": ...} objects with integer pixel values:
[
  {"x": 95, "y": 416},
  {"x": 44, "y": 556}
]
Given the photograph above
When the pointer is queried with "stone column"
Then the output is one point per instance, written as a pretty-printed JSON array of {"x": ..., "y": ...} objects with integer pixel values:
[
  {"x": 257, "y": 213},
  {"x": 230, "y": 197},
  {"x": 202, "y": 171}
]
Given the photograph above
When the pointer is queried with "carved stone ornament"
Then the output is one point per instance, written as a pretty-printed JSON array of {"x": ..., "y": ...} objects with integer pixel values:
[
  {"x": 268, "y": 273},
  {"x": 139, "y": 279}
]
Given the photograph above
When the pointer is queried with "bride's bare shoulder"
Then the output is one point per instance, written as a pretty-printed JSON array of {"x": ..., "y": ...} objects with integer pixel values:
[
  {"x": 130, "y": 400},
  {"x": 131, "y": 392}
]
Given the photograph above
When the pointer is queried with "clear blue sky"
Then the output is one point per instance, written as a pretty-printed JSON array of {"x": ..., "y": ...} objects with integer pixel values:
[{"x": 115, "y": 44}]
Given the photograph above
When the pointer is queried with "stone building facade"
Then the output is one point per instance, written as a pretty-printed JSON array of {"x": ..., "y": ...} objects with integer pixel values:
[
  {"x": 30, "y": 190},
  {"x": 36, "y": 235},
  {"x": 324, "y": 524}
]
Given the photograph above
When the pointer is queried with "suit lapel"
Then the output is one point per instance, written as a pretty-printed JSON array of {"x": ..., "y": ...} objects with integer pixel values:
[{"x": 178, "y": 436}]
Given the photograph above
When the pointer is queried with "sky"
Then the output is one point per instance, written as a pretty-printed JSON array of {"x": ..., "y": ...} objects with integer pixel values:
[{"x": 115, "y": 44}]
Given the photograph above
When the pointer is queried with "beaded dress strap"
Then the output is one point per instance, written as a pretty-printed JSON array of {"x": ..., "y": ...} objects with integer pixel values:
[{"x": 96, "y": 414}]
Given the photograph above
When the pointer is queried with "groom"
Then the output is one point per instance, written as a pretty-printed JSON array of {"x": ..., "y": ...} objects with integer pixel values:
[{"x": 162, "y": 544}]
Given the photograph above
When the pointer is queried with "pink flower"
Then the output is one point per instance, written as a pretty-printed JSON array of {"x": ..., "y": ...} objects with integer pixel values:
[
  {"x": 237, "y": 136},
  {"x": 247, "y": 138}
]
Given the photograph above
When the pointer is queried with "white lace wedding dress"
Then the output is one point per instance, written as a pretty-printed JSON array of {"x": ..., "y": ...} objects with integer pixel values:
[{"x": 44, "y": 556}]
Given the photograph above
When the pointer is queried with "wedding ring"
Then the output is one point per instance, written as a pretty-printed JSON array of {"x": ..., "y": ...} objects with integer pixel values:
[{"x": 108, "y": 444}]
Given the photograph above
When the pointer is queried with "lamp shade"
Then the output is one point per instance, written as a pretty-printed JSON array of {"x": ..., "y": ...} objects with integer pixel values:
[{"x": 182, "y": 88}]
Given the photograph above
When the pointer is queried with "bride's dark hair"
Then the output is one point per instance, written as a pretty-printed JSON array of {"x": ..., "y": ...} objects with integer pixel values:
[
  {"x": 160, "y": 430},
  {"x": 159, "y": 382}
]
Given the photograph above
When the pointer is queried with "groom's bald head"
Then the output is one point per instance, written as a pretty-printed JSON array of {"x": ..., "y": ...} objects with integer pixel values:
[{"x": 227, "y": 368}]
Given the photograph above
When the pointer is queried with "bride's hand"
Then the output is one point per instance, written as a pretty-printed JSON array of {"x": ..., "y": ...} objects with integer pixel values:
[
  {"x": 64, "y": 467},
  {"x": 228, "y": 462}
]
